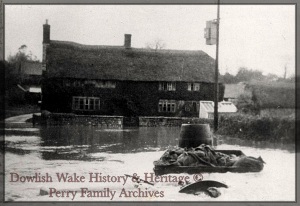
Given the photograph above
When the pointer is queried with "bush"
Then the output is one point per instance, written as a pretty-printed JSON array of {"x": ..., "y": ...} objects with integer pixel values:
[
  {"x": 274, "y": 94},
  {"x": 275, "y": 129},
  {"x": 247, "y": 104}
]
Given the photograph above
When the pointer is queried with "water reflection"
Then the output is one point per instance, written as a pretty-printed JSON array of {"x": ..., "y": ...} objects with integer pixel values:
[
  {"x": 79, "y": 142},
  {"x": 94, "y": 139}
]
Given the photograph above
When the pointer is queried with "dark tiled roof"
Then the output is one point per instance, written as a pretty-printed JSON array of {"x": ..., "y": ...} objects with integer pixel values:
[
  {"x": 72, "y": 60},
  {"x": 31, "y": 68}
]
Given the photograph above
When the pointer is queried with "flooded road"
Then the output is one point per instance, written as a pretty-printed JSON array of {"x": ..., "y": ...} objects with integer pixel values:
[{"x": 56, "y": 150}]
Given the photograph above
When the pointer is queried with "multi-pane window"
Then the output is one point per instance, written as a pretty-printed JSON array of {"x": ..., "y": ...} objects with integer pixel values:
[
  {"x": 167, "y": 86},
  {"x": 86, "y": 103},
  {"x": 193, "y": 86},
  {"x": 166, "y": 106}
]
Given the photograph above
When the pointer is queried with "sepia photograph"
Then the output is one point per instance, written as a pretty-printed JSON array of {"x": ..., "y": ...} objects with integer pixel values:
[{"x": 149, "y": 102}]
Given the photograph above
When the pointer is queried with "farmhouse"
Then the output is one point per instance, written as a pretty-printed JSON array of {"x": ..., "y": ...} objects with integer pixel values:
[{"x": 122, "y": 80}]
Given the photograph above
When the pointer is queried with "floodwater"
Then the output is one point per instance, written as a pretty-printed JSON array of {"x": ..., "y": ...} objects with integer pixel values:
[{"x": 87, "y": 150}]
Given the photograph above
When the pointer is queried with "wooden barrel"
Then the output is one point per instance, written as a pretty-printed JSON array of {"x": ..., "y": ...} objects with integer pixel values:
[{"x": 193, "y": 135}]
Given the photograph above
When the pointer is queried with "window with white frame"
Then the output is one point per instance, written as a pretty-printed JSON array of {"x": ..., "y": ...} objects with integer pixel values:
[
  {"x": 167, "y": 106},
  {"x": 86, "y": 103},
  {"x": 193, "y": 86},
  {"x": 167, "y": 86}
]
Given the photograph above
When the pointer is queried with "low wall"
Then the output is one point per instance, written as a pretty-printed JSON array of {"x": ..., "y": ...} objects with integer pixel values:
[
  {"x": 95, "y": 120},
  {"x": 171, "y": 121},
  {"x": 117, "y": 121}
]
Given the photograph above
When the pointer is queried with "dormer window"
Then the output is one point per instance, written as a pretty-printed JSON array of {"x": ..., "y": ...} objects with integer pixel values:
[
  {"x": 167, "y": 86},
  {"x": 193, "y": 86}
]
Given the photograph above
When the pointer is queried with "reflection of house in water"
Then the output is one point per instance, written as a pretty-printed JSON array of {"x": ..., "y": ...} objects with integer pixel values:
[
  {"x": 207, "y": 109},
  {"x": 93, "y": 139},
  {"x": 80, "y": 142},
  {"x": 122, "y": 80}
]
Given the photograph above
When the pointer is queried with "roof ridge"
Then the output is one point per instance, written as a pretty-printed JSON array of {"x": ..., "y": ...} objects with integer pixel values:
[
  {"x": 132, "y": 48},
  {"x": 83, "y": 45}
]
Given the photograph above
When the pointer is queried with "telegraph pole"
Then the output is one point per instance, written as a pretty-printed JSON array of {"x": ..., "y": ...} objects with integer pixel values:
[
  {"x": 211, "y": 34},
  {"x": 217, "y": 72}
]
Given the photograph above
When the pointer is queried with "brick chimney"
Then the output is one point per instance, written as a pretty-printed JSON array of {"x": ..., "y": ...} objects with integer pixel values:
[
  {"x": 46, "y": 43},
  {"x": 46, "y": 33},
  {"x": 127, "y": 41}
]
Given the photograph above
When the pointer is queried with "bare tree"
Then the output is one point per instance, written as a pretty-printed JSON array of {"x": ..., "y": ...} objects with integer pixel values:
[{"x": 157, "y": 44}]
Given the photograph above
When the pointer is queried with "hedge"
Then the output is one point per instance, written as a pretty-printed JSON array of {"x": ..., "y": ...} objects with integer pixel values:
[{"x": 274, "y": 129}]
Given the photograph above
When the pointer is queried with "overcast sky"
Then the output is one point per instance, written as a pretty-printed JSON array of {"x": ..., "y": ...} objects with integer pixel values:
[{"x": 258, "y": 37}]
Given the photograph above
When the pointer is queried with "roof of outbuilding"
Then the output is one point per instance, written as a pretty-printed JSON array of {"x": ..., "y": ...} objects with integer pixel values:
[
  {"x": 223, "y": 107},
  {"x": 72, "y": 60},
  {"x": 208, "y": 105}
]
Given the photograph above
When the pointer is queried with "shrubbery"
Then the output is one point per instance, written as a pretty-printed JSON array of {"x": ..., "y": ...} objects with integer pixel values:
[
  {"x": 274, "y": 129},
  {"x": 274, "y": 94}
]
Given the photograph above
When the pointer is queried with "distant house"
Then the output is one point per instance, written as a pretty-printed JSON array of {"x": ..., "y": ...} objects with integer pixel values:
[
  {"x": 233, "y": 91},
  {"x": 31, "y": 72},
  {"x": 31, "y": 80},
  {"x": 207, "y": 108},
  {"x": 122, "y": 80}
]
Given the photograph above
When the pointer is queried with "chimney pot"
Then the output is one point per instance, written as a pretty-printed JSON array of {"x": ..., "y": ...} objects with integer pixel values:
[{"x": 127, "y": 41}]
